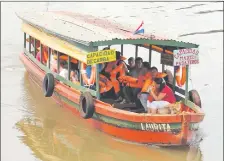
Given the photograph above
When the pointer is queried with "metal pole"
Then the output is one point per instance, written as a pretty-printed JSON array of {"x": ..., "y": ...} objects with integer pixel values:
[
  {"x": 80, "y": 76},
  {"x": 49, "y": 57},
  {"x": 29, "y": 44},
  {"x": 150, "y": 55},
  {"x": 186, "y": 85},
  {"x": 35, "y": 49},
  {"x": 174, "y": 79},
  {"x": 97, "y": 78},
  {"x": 136, "y": 51},
  {"x": 163, "y": 66},
  {"x": 122, "y": 49},
  {"x": 25, "y": 40},
  {"x": 69, "y": 67},
  {"x": 97, "y": 81},
  {"x": 41, "y": 51},
  {"x": 58, "y": 62}
]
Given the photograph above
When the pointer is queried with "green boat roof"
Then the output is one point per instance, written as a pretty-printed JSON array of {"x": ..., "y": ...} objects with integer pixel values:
[{"x": 93, "y": 32}]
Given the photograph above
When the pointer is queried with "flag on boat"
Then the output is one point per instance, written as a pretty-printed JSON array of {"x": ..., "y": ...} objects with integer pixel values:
[{"x": 140, "y": 29}]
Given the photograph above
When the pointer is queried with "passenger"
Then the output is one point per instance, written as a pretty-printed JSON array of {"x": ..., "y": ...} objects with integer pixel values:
[
  {"x": 74, "y": 76},
  {"x": 131, "y": 64},
  {"x": 154, "y": 72},
  {"x": 131, "y": 91},
  {"x": 104, "y": 83},
  {"x": 64, "y": 69},
  {"x": 118, "y": 68},
  {"x": 53, "y": 61},
  {"x": 138, "y": 67},
  {"x": 144, "y": 94},
  {"x": 38, "y": 56},
  {"x": 163, "y": 99},
  {"x": 103, "y": 69}
]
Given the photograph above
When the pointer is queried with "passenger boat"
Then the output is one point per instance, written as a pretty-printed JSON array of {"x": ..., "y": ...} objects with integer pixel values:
[{"x": 77, "y": 39}]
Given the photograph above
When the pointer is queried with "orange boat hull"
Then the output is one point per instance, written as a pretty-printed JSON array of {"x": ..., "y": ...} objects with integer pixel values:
[{"x": 163, "y": 130}]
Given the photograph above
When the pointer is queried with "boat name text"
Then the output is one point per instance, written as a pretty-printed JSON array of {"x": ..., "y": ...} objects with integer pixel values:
[{"x": 155, "y": 127}]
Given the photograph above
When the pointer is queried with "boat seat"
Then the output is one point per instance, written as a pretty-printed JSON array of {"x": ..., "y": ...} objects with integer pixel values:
[{"x": 124, "y": 106}]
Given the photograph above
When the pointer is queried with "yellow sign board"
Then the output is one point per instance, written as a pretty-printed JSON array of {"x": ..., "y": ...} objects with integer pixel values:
[{"x": 102, "y": 56}]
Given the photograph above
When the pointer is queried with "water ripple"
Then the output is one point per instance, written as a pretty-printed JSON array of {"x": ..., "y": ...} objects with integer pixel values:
[
  {"x": 204, "y": 32},
  {"x": 208, "y": 11},
  {"x": 192, "y": 6}
]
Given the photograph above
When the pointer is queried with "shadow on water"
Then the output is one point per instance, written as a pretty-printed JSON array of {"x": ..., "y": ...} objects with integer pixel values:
[
  {"x": 204, "y": 32},
  {"x": 209, "y": 11},
  {"x": 53, "y": 133},
  {"x": 192, "y": 6}
]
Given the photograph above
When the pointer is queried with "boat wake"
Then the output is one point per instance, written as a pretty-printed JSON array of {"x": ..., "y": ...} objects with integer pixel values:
[{"x": 197, "y": 138}]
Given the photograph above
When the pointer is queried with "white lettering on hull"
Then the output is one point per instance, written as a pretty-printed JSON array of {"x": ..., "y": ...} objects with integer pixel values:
[{"x": 155, "y": 127}]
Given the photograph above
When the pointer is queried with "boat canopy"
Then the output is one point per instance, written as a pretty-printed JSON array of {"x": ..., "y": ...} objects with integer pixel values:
[{"x": 90, "y": 32}]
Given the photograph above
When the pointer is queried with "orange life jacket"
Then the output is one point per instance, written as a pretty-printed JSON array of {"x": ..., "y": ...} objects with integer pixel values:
[
  {"x": 161, "y": 75},
  {"x": 104, "y": 83},
  {"x": 181, "y": 78}
]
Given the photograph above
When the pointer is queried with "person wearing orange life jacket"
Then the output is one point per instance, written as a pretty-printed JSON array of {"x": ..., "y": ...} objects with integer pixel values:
[
  {"x": 149, "y": 83},
  {"x": 143, "y": 95},
  {"x": 114, "y": 69},
  {"x": 131, "y": 90},
  {"x": 104, "y": 83}
]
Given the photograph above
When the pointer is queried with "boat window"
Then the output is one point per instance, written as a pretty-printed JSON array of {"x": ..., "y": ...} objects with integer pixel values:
[{"x": 64, "y": 65}]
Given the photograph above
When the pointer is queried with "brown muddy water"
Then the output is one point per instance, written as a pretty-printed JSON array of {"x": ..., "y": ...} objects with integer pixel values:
[{"x": 36, "y": 128}]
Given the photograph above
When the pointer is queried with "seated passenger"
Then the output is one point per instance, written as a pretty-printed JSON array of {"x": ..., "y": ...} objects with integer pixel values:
[
  {"x": 163, "y": 99},
  {"x": 138, "y": 67},
  {"x": 131, "y": 90},
  {"x": 144, "y": 94},
  {"x": 154, "y": 72},
  {"x": 53, "y": 61},
  {"x": 38, "y": 56},
  {"x": 131, "y": 64},
  {"x": 115, "y": 69},
  {"x": 63, "y": 69},
  {"x": 74, "y": 76}
]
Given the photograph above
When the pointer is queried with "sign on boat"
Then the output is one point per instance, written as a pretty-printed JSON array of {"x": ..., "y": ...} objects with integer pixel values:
[
  {"x": 183, "y": 57},
  {"x": 101, "y": 56}
]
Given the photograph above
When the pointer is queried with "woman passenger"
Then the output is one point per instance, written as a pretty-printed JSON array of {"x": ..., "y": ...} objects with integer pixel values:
[
  {"x": 38, "y": 56},
  {"x": 164, "y": 98},
  {"x": 53, "y": 61},
  {"x": 74, "y": 76}
]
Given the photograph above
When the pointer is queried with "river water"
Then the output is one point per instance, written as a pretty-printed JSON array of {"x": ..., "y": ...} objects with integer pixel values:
[{"x": 36, "y": 128}]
